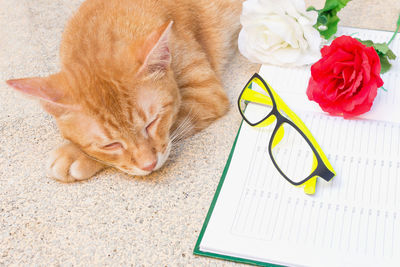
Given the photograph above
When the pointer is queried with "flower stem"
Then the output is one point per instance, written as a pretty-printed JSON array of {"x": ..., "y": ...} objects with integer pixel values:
[
  {"x": 383, "y": 88},
  {"x": 397, "y": 30}
]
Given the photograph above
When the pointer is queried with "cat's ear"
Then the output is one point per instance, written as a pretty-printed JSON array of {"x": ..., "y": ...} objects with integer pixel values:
[
  {"x": 155, "y": 55},
  {"x": 52, "y": 98}
]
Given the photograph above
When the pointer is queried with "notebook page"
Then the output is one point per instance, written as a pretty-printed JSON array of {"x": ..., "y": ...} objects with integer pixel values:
[{"x": 351, "y": 221}]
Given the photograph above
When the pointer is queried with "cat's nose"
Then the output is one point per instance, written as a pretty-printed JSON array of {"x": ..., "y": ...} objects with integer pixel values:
[{"x": 149, "y": 166}]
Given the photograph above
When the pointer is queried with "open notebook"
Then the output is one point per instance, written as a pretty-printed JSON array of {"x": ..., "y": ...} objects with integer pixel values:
[{"x": 257, "y": 217}]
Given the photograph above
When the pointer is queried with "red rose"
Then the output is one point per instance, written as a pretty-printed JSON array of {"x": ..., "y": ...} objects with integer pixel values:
[{"x": 346, "y": 79}]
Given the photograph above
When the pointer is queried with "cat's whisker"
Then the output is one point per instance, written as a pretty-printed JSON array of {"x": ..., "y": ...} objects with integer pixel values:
[
  {"x": 178, "y": 135},
  {"x": 184, "y": 128},
  {"x": 179, "y": 128},
  {"x": 182, "y": 134},
  {"x": 183, "y": 125}
]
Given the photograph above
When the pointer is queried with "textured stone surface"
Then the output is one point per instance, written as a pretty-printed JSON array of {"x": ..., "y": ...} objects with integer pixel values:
[
  {"x": 112, "y": 219},
  {"x": 369, "y": 14}
]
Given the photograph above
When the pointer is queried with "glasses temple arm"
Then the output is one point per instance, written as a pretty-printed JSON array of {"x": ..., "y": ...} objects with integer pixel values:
[{"x": 253, "y": 96}]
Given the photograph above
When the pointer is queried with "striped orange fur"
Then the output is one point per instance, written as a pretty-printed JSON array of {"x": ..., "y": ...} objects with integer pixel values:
[{"x": 135, "y": 75}]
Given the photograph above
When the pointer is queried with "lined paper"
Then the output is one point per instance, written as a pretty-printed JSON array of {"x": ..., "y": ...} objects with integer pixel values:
[
  {"x": 354, "y": 220},
  {"x": 366, "y": 183}
]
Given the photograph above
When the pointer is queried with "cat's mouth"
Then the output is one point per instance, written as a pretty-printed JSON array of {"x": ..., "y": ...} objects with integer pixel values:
[
  {"x": 135, "y": 171},
  {"x": 161, "y": 159}
]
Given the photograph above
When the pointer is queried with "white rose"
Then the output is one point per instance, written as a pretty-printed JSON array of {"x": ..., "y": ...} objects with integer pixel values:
[{"x": 279, "y": 32}]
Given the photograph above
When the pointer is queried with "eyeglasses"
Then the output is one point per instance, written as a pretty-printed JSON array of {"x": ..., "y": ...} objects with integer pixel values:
[{"x": 292, "y": 148}]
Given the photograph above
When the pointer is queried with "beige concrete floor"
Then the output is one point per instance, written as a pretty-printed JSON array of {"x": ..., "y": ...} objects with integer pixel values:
[{"x": 113, "y": 219}]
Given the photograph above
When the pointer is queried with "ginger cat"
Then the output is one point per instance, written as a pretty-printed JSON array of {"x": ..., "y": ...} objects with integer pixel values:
[{"x": 135, "y": 75}]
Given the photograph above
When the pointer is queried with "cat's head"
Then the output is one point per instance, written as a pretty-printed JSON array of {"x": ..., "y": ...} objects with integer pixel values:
[{"x": 118, "y": 108}]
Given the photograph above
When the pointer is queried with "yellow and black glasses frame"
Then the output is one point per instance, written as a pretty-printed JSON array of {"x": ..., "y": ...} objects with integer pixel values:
[{"x": 278, "y": 110}]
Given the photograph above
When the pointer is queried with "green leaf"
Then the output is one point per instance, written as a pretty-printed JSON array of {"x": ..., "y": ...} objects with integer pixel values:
[
  {"x": 391, "y": 55},
  {"x": 385, "y": 65},
  {"x": 327, "y": 17},
  {"x": 322, "y": 19},
  {"x": 383, "y": 51},
  {"x": 381, "y": 47},
  {"x": 367, "y": 43}
]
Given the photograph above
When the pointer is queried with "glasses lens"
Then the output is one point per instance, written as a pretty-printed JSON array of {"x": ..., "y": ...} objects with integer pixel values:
[
  {"x": 255, "y": 103},
  {"x": 292, "y": 153}
]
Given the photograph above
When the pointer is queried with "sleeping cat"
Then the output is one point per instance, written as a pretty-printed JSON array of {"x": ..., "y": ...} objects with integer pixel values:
[{"x": 135, "y": 74}]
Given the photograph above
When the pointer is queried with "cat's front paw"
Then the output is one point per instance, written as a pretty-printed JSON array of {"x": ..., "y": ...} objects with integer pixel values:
[{"x": 68, "y": 164}]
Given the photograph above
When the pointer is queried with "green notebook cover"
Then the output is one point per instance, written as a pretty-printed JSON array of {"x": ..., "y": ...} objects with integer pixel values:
[{"x": 197, "y": 250}]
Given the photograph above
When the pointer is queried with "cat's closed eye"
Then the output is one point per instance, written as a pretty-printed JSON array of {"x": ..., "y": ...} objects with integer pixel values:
[
  {"x": 113, "y": 146},
  {"x": 151, "y": 125}
]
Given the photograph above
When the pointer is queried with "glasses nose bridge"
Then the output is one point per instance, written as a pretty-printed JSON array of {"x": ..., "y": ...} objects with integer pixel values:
[{"x": 267, "y": 121}]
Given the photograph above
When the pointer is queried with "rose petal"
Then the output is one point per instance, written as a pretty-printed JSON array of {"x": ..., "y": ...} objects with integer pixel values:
[
  {"x": 351, "y": 102},
  {"x": 354, "y": 87},
  {"x": 366, "y": 68},
  {"x": 348, "y": 75}
]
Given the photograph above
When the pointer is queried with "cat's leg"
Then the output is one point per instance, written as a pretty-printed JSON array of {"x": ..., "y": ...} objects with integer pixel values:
[
  {"x": 69, "y": 164},
  {"x": 203, "y": 97}
]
